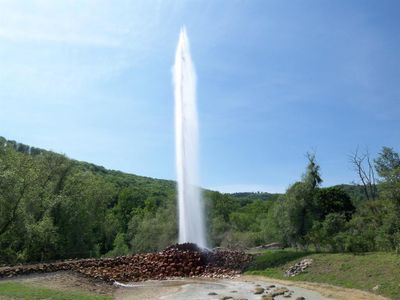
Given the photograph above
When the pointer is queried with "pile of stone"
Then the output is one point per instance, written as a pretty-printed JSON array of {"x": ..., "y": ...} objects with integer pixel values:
[
  {"x": 298, "y": 268},
  {"x": 184, "y": 260},
  {"x": 228, "y": 259}
]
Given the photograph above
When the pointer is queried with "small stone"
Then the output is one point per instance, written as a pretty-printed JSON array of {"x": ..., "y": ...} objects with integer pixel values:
[
  {"x": 300, "y": 298},
  {"x": 212, "y": 294},
  {"x": 279, "y": 291},
  {"x": 267, "y": 297},
  {"x": 375, "y": 288},
  {"x": 259, "y": 291},
  {"x": 287, "y": 295}
]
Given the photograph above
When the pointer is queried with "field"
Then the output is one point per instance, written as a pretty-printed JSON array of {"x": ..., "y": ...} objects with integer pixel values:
[
  {"x": 14, "y": 290},
  {"x": 372, "y": 272}
]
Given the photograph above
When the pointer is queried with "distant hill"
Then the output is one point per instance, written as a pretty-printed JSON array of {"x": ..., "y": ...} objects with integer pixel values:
[
  {"x": 247, "y": 197},
  {"x": 125, "y": 179},
  {"x": 120, "y": 178}
]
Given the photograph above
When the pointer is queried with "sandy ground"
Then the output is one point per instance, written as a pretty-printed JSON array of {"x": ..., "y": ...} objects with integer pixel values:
[{"x": 194, "y": 288}]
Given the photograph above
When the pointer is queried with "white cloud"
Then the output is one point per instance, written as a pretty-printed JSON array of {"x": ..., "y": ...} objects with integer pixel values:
[
  {"x": 32, "y": 34},
  {"x": 60, "y": 22},
  {"x": 87, "y": 23}
]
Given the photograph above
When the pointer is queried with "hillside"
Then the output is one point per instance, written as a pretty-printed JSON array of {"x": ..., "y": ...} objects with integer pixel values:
[
  {"x": 120, "y": 178},
  {"x": 126, "y": 179},
  {"x": 247, "y": 197},
  {"x": 54, "y": 207}
]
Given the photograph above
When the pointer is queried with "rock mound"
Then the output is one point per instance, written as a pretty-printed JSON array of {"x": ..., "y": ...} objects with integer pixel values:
[
  {"x": 184, "y": 247},
  {"x": 299, "y": 267},
  {"x": 181, "y": 260}
]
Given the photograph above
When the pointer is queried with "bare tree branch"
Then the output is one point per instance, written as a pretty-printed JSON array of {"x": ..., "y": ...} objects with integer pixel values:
[{"x": 366, "y": 173}]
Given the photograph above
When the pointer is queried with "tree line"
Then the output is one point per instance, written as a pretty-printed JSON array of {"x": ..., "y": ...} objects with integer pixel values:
[{"x": 53, "y": 207}]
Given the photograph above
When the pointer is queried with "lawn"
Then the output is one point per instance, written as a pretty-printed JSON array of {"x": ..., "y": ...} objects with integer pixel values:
[
  {"x": 12, "y": 290},
  {"x": 360, "y": 271}
]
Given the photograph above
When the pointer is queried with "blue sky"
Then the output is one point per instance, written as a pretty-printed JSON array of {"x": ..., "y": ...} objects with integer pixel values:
[{"x": 92, "y": 79}]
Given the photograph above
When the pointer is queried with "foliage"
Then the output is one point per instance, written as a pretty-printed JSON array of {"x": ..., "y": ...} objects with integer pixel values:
[
  {"x": 119, "y": 246},
  {"x": 247, "y": 197},
  {"x": 155, "y": 230},
  {"x": 53, "y": 207},
  {"x": 332, "y": 200},
  {"x": 296, "y": 208},
  {"x": 388, "y": 168}
]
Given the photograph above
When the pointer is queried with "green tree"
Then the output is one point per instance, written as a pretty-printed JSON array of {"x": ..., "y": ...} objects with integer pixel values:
[
  {"x": 298, "y": 205},
  {"x": 155, "y": 231},
  {"x": 128, "y": 199},
  {"x": 332, "y": 200},
  {"x": 17, "y": 180},
  {"x": 41, "y": 241},
  {"x": 312, "y": 177},
  {"x": 388, "y": 168},
  {"x": 119, "y": 246}
]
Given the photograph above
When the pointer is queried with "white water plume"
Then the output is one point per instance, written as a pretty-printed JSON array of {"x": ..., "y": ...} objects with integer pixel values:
[{"x": 191, "y": 215}]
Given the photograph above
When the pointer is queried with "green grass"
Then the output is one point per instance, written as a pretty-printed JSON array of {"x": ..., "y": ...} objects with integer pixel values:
[
  {"x": 269, "y": 259},
  {"x": 361, "y": 271},
  {"x": 12, "y": 290}
]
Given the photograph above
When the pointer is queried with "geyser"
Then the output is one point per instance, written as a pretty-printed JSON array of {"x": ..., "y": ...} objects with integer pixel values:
[{"x": 191, "y": 220}]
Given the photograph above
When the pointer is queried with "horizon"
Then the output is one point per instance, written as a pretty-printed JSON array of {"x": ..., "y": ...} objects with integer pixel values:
[
  {"x": 155, "y": 178},
  {"x": 94, "y": 81}
]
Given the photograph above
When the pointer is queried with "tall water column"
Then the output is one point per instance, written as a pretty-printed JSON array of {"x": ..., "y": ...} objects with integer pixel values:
[{"x": 191, "y": 214}]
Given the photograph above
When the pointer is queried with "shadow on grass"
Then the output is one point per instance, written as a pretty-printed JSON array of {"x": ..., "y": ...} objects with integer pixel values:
[{"x": 270, "y": 259}]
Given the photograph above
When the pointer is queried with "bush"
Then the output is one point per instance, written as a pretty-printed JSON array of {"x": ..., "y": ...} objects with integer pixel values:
[{"x": 120, "y": 247}]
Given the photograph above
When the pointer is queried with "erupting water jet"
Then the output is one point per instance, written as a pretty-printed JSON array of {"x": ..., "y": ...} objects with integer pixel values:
[{"x": 191, "y": 215}]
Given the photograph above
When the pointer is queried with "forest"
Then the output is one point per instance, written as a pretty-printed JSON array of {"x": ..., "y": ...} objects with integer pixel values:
[{"x": 53, "y": 207}]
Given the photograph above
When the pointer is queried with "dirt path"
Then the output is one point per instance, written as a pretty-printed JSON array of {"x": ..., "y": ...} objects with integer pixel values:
[{"x": 326, "y": 290}]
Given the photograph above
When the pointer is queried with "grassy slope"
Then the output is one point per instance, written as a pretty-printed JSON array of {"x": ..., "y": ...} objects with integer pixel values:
[
  {"x": 363, "y": 271},
  {"x": 12, "y": 290}
]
